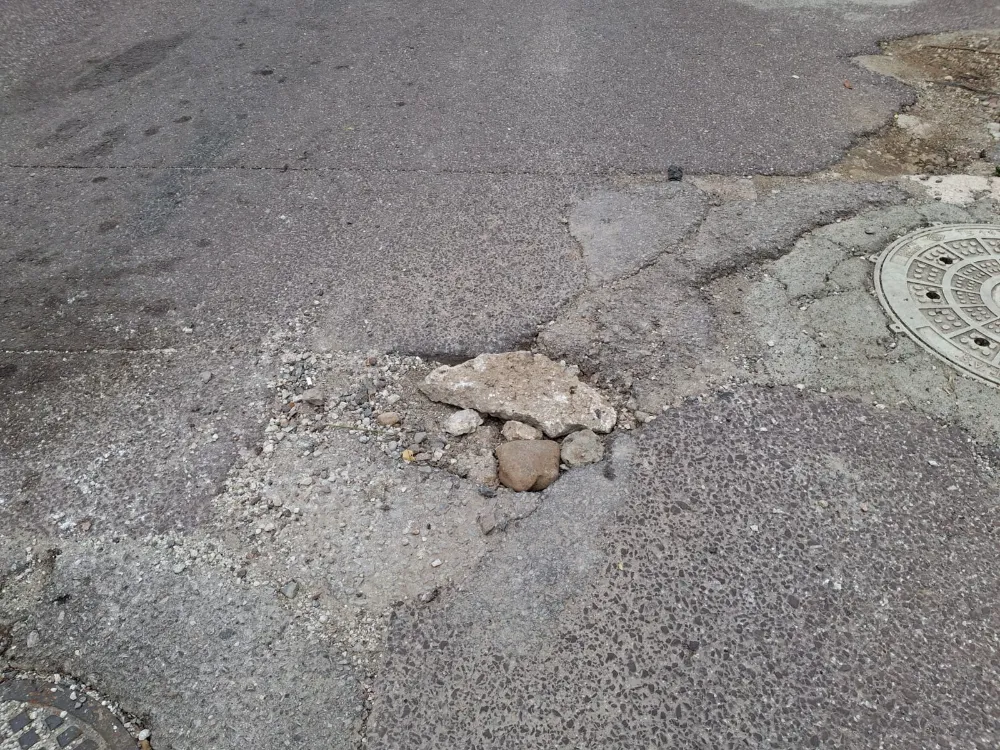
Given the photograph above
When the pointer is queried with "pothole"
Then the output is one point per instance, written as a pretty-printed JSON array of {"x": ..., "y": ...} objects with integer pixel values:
[
  {"x": 953, "y": 126},
  {"x": 38, "y": 715},
  {"x": 942, "y": 287}
]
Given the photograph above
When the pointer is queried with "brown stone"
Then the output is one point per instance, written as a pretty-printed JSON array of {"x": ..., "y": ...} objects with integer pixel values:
[
  {"x": 388, "y": 418},
  {"x": 528, "y": 464}
]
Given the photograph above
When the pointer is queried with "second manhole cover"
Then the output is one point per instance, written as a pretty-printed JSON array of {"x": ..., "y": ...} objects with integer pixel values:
[
  {"x": 942, "y": 285},
  {"x": 37, "y": 715}
]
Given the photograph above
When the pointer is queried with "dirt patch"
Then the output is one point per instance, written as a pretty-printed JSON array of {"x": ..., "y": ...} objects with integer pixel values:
[{"x": 953, "y": 126}]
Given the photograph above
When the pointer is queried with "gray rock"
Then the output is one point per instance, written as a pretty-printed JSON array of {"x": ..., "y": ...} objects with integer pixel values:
[
  {"x": 463, "y": 422},
  {"x": 514, "y": 430},
  {"x": 480, "y": 467},
  {"x": 206, "y": 376},
  {"x": 487, "y": 521},
  {"x": 528, "y": 464},
  {"x": 524, "y": 387},
  {"x": 582, "y": 448},
  {"x": 289, "y": 590},
  {"x": 313, "y": 397}
]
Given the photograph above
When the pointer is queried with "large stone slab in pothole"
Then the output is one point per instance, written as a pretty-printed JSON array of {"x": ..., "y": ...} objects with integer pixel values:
[
  {"x": 763, "y": 568},
  {"x": 526, "y": 387}
]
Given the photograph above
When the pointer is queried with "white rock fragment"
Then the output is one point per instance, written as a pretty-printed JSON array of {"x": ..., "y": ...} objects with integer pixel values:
[
  {"x": 525, "y": 387},
  {"x": 913, "y": 125},
  {"x": 514, "y": 430},
  {"x": 463, "y": 422},
  {"x": 313, "y": 397}
]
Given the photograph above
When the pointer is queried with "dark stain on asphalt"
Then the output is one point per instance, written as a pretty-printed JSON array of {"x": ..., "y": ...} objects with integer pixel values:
[
  {"x": 137, "y": 59},
  {"x": 109, "y": 140},
  {"x": 64, "y": 132}
]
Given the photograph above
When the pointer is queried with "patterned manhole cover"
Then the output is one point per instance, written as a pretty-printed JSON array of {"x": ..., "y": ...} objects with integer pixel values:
[
  {"x": 942, "y": 285},
  {"x": 42, "y": 716}
]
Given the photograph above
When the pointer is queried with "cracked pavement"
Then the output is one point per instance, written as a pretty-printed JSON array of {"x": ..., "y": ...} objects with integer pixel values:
[{"x": 211, "y": 208}]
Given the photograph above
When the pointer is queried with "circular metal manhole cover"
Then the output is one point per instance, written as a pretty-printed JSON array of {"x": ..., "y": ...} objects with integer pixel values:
[
  {"x": 38, "y": 715},
  {"x": 942, "y": 285}
]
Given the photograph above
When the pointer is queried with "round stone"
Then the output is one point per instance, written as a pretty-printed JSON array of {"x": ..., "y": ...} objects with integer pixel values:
[
  {"x": 44, "y": 716},
  {"x": 942, "y": 287}
]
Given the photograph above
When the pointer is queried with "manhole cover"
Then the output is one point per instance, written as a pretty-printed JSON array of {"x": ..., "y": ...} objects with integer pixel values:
[
  {"x": 42, "y": 716},
  {"x": 942, "y": 285}
]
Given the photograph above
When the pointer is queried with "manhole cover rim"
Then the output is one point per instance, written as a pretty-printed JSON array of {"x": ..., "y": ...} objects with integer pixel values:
[
  {"x": 37, "y": 693},
  {"x": 890, "y": 307}
]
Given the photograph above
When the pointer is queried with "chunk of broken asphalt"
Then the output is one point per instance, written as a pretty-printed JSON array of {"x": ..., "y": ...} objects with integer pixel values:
[{"x": 526, "y": 387}]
